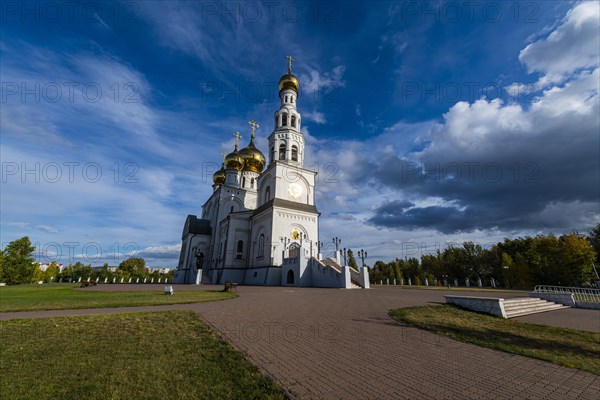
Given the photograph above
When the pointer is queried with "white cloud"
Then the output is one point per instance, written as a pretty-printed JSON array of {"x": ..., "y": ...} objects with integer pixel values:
[
  {"x": 314, "y": 116},
  {"x": 315, "y": 82},
  {"x": 518, "y": 90},
  {"x": 573, "y": 45},
  {"x": 47, "y": 229},
  {"x": 161, "y": 252}
]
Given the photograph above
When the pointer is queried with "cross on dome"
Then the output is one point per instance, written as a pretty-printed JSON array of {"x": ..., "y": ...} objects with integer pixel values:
[
  {"x": 253, "y": 125},
  {"x": 237, "y": 139}
]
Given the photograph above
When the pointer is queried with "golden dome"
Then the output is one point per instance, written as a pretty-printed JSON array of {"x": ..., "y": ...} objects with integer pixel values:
[
  {"x": 289, "y": 81},
  {"x": 234, "y": 161},
  {"x": 219, "y": 176},
  {"x": 254, "y": 160}
]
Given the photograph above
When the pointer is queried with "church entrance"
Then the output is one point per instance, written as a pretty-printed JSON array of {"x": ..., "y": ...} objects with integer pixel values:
[{"x": 290, "y": 277}]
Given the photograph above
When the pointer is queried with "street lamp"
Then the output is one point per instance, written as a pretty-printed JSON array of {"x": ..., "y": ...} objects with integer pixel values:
[
  {"x": 362, "y": 254},
  {"x": 345, "y": 257},
  {"x": 337, "y": 241}
]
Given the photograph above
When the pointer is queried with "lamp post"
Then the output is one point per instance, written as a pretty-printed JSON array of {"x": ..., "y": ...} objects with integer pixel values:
[
  {"x": 285, "y": 241},
  {"x": 337, "y": 241},
  {"x": 302, "y": 237},
  {"x": 362, "y": 254},
  {"x": 345, "y": 257},
  {"x": 319, "y": 247}
]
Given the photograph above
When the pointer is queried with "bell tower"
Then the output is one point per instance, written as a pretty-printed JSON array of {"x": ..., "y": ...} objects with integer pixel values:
[
  {"x": 286, "y": 143},
  {"x": 286, "y": 217}
]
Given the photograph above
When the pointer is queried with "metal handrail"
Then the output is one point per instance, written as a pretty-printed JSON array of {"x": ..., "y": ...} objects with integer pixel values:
[{"x": 580, "y": 294}]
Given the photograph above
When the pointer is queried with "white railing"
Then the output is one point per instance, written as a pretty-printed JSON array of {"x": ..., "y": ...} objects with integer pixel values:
[{"x": 580, "y": 294}]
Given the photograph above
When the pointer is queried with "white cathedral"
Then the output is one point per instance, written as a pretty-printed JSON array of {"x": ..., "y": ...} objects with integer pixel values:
[{"x": 260, "y": 226}]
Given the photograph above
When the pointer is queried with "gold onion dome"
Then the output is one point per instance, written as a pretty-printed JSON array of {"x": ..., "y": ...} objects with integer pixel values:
[
  {"x": 219, "y": 176},
  {"x": 289, "y": 81},
  {"x": 254, "y": 160},
  {"x": 234, "y": 161}
]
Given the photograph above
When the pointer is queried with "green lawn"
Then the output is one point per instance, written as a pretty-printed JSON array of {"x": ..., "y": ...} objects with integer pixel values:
[
  {"x": 64, "y": 296},
  {"x": 160, "y": 355},
  {"x": 567, "y": 347}
]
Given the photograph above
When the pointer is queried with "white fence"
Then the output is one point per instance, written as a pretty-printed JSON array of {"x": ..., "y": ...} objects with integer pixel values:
[{"x": 579, "y": 294}]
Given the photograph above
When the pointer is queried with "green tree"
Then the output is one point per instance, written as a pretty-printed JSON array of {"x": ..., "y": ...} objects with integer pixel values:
[
  {"x": 396, "y": 265},
  {"x": 507, "y": 271},
  {"x": 17, "y": 262},
  {"x": 134, "y": 267},
  {"x": 594, "y": 239},
  {"x": 2, "y": 279},
  {"x": 576, "y": 258},
  {"x": 76, "y": 271},
  {"x": 51, "y": 271},
  {"x": 352, "y": 260}
]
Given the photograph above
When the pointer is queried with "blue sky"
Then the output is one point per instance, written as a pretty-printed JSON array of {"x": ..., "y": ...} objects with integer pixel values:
[{"x": 429, "y": 123}]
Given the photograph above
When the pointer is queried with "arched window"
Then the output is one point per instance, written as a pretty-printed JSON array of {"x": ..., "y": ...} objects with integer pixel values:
[
  {"x": 244, "y": 182},
  {"x": 294, "y": 250},
  {"x": 282, "y": 150},
  {"x": 240, "y": 249},
  {"x": 284, "y": 118},
  {"x": 261, "y": 245},
  {"x": 293, "y": 121},
  {"x": 231, "y": 209},
  {"x": 268, "y": 194},
  {"x": 286, "y": 99},
  {"x": 252, "y": 183},
  {"x": 294, "y": 153}
]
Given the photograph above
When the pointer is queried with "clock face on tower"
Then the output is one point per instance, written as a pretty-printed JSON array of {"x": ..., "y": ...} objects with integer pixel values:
[
  {"x": 295, "y": 234},
  {"x": 295, "y": 190}
]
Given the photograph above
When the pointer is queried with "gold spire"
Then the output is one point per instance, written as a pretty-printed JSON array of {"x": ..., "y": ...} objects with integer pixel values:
[{"x": 253, "y": 125}]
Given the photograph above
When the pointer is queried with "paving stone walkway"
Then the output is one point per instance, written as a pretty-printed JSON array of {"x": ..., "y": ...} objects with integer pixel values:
[{"x": 341, "y": 344}]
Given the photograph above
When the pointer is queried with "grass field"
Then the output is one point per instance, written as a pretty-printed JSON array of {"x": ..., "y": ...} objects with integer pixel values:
[
  {"x": 160, "y": 355},
  {"x": 567, "y": 347},
  {"x": 64, "y": 296}
]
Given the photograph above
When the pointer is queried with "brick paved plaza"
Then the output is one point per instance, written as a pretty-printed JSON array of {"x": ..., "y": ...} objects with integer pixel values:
[{"x": 341, "y": 344}]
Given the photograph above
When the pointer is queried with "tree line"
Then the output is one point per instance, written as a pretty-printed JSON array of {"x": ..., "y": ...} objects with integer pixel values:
[
  {"x": 521, "y": 263},
  {"x": 17, "y": 266}
]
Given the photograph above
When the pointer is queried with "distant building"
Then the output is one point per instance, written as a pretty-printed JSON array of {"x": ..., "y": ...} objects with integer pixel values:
[
  {"x": 160, "y": 270},
  {"x": 111, "y": 268},
  {"x": 44, "y": 267}
]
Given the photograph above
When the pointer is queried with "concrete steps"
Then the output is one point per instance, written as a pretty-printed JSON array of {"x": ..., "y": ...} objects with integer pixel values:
[{"x": 528, "y": 305}]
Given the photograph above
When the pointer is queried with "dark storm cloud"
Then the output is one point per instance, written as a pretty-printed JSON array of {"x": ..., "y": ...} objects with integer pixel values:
[{"x": 503, "y": 167}]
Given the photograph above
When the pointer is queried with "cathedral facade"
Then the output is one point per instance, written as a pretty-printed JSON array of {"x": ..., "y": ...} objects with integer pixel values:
[{"x": 260, "y": 226}]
